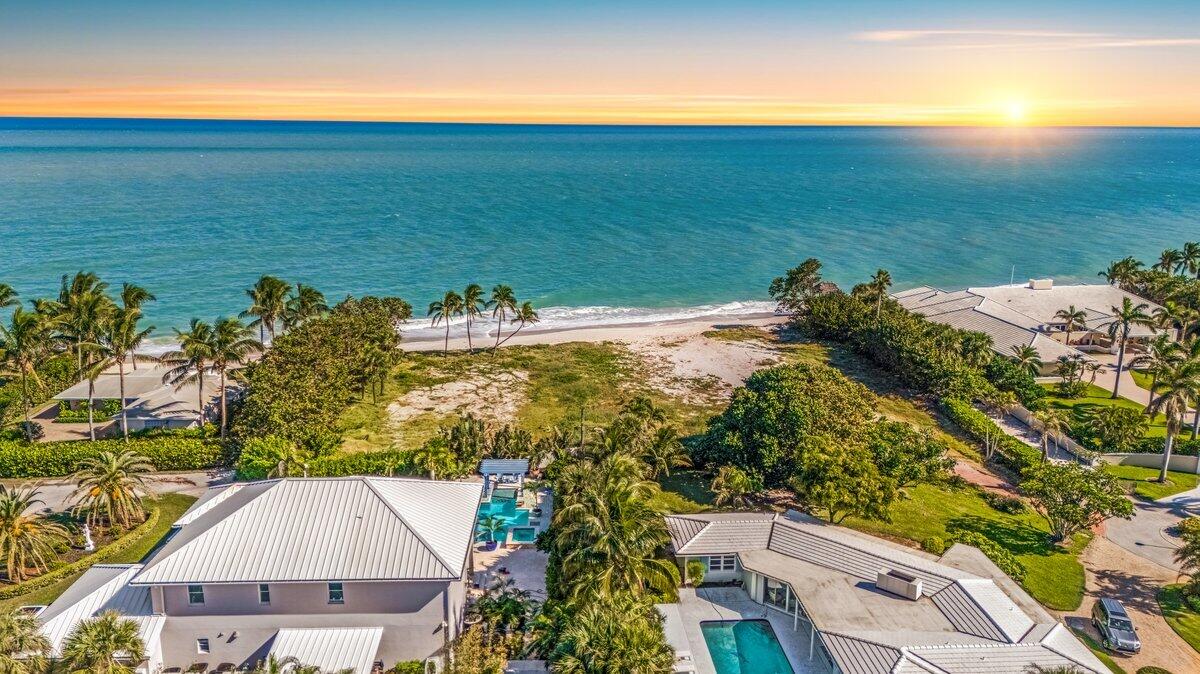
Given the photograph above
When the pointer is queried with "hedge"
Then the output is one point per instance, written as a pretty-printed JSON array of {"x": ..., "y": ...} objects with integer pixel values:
[
  {"x": 365, "y": 463},
  {"x": 112, "y": 549},
  {"x": 1011, "y": 451},
  {"x": 999, "y": 556},
  {"x": 19, "y": 459}
]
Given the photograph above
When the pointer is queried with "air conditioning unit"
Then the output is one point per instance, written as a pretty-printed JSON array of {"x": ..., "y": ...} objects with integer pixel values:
[
  {"x": 1041, "y": 284},
  {"x": 899, "y": 583}
]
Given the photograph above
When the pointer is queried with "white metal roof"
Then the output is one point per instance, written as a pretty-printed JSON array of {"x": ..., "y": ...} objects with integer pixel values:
[
  {"x": 503, "y": 466},
  {"x": 322, "y": 529},
  {"x": 103, "y": 587},
  {"x": 330, "y": 649}
]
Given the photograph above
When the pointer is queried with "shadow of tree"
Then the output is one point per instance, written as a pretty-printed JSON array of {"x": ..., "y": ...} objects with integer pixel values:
[
  {"x": 1016, "y": 537},
  {"x": 1136, "y": 591}
]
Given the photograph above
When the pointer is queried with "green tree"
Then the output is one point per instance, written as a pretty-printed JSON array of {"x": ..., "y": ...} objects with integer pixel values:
[
  {"x": 191, "y": 361},
  {"x": 525, "y": 315},
  {"x": 434, "y": 457},
  {"x": 1072, "y": 319},
  {"x": 976, "y": 349},
  {"x": 502, "y": 303},
  {"x": 117, "y": 341},
  {"x": 1170, "y": 261},
  {"x": 1124, "y": 318},
  {"x": 27, "y": 538},
  {"x": 304, "y": 304},
  {"x": 24, "y": 344},
  {"x": 231, "y": 343},
  {"x": 1116, "y": 429},
  {"x": 110, "y": 488},
  {"x": 732, "y": 487},
  {"x": 664, "y": 452},
  {"x": 842, "y": 480},
  {"x": 1188, "y": 553},
  {"x": 81, "y": 310},
  {"x": 133, "y": 297},
  {"x": 8, "y": 296},
  {"x": 1028, "y": 358},
  {"x": 1122, "y": 273},
  {"x": 1191, "y": 258},
  {"x": 906, "y": 455},
  {"x": 106, "y": 644},
  {"x": 1054, "y": 425},
  {"x": 271, "y": 457},
  {"x": 792, "y": 291},
  {"x": 1072, "y": 498},
  {"x": 880, "y": 282},
  {"x": 1162, "y": 354},
  {"x": 1180, "y": 387},
  {"x": 476, "y": 651},
  {"x": 268, "y": 304},
  {"x": 615, "y": 634},
  {"x": 23, "y": 647},
  {"x": 473, "y": 305},
  {"x": 444, "y": 311}
]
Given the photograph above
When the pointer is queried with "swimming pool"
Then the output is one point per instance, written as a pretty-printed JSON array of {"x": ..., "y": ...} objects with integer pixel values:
[
  {"x": 504, "y": 509},
  {"x": 745, "y": 646}
]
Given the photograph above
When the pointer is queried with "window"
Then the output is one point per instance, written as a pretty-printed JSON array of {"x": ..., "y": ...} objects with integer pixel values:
[
  {"x": 201, "y": 645},
  {"x": 722, "y": 563},
  {"x": 195, "y": 594},
  {"x": 336, "y": 595},
  {"x": 264, "y": 593}
]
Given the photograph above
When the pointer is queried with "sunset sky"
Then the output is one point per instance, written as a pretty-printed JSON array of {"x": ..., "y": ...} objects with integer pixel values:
[{"x": 700, "y": 61}]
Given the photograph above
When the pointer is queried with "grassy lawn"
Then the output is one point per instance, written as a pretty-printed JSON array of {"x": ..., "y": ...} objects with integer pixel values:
[
  {"x": 1144, "y": 481},
  {"x": 1180, "y": 616},
  {"x": 1054, "y": 576},
  {"x": 1142, "y": 379},
  {"x": 1098, "y": 397},
  {"x": 562, "y": 379},
  {"x": 170, "y": 506}
]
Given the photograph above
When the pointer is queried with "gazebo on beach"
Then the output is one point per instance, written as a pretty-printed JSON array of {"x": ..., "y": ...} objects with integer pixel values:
[{"x": 503, "y": 472}]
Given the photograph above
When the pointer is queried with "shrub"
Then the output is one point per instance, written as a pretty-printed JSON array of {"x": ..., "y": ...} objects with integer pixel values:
[
  {"x": 19, "y": 459},
  {"x": 1152, "y": 670},
  {"x": 1006, "y": 375},
  {"x": 695, "y": 572},
  {"x": 205, "y": 432},
  {"x": 934, "y": 545},
  {"x": 365, "y": 463},
  {"x": 1004, "y": 503},
  {"x": 103, "y": 411},
  {"x": 1000, "y": 557},
  {"x": 408, "y": 667},
  {"x": 1012, "y": 452}
]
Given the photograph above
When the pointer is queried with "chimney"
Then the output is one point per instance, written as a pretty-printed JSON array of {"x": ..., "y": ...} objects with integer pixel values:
[
  {"x": 1041, "y": 283},
  {"x": 899, "y": 583}
]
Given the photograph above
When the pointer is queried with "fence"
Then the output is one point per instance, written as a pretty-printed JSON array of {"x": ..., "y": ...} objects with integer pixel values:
[
  {"x": 1178, "y": 463},
  {"x": 1061, "y": 440}
]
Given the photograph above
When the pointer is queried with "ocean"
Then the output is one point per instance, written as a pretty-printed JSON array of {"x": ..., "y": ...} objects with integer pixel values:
[{"x": 593, "y": 224}]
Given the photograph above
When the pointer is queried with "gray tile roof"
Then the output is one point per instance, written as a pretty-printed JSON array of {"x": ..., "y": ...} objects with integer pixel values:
[
  {"x": 357, "y": 528},
  {"x": 855, "y": 656}
]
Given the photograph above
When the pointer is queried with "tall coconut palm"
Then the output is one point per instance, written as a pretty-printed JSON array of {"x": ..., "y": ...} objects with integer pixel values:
[
  {"x": 1073, "y": 319},
  {"x": 1027, "y": 358},
  {"x": 268, "y": 303},
  {"x": 1122, "y": 273},
  {"x": 664, "y": 452},
  {"x": 23, "y": 646},
  {"x": 503, "y": 302},
  {"x": 24, "y": 343},
  {"x": 82, "y": 319},
  {"x": 1191, "y": 258},
  {"x": 880, "y": 282},
  {"x": 1170, "y": 261},
  {"x": 616, "y": 634},
  {"x": 443, "y": 311},
  {"x": 1054, "y": 426},
  {"x": 27, "y": 538},
  {"x": 191, "y": 361},
  {"x": 110, "y": 488},
  {"x": 1124, "y": 318},
  {"x": 524, "y": 316},
  {"x": 304, "y": 304},
  {"x": 119, "y": 339},
  {"x": 732, "y": 487},
  {"x": 473, "y": 305},
  {"x": 8, "y": 296},
  {"x": 231, "y": 343},
  {"x": 433, "y": 456},
  {"x": 1180, "y": 387},
  {"x": 1173, "y": 316},
  {"x": 107, "y": 644},
  {"x": 133, "y": 296},
  {"x": 1161, "y": 355},
  {"x": 976, "y": 349}
]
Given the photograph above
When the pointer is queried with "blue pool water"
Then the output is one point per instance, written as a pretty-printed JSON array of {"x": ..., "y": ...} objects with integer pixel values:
[
  {"x": 745, "y": 647},
  {"x": 610, "y": 224},
  {"x": 505, "y": 509}
]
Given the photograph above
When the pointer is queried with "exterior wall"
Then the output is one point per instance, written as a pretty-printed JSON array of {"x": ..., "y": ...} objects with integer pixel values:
[
  {"x": 711, "y": 576},
  {"x": 1182, "y": 464},
  {"x": 240, "y": 629}
]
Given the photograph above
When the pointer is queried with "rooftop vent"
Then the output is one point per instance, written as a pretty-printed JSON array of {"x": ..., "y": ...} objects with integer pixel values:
[
  {"x": 1041, "y": 284},
  {"x": 899, "y": 583}
]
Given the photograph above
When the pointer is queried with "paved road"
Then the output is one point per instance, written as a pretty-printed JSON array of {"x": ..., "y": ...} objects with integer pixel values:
[
  {"x": 1148, "y": 534},
  {"x": 55, "y": 492}
]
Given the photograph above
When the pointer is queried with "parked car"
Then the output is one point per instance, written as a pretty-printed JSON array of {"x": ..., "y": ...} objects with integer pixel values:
[{"x": 1116, "y": 629}]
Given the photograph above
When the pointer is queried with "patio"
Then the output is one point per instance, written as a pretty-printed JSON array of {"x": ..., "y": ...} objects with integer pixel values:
[{"x": 730, "y": 603}]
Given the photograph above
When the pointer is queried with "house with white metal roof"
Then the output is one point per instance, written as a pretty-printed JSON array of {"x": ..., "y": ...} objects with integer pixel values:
[
  {"x": 868, "y": 606},
  {"x": 337, "y": 572}
]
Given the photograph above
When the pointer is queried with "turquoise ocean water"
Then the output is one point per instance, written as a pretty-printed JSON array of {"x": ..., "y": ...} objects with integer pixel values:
[{"x": 593, "y": 224}]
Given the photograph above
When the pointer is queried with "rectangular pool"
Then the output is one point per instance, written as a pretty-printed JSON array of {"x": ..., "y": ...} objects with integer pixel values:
[
  {"x": 505, "y": 510},
  {"x": 745, "y": 647}
]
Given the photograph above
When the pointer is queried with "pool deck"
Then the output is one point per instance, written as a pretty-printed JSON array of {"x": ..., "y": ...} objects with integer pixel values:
[
  {"x": 697, "y": 605},
  {"x": 525, "y": 566}
]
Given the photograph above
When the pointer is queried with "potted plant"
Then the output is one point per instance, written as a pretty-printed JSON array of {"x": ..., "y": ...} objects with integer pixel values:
[{"x": 493, "y": 526}]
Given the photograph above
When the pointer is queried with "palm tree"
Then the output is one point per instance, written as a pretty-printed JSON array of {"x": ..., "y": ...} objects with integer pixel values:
[
  {"x": 106, "y": 644},
  {"x": 451, "y": 305},
  {"x": 191, "y": 360},
  {"x": 23, "y": 647},
  {"x": 1073, "y": 319},
  {"x": 732, "y": 487},
  {"x": 1054, "y": 425},
  {"x": 24, "y": 344},
  {"x": 1180, "y": 387},
  {"x": 976, "y": 348},
  {"x": 617, "y": 634},
  {"x": 493, "y": 526},
  {"x": 880, "y": 282},
  {"x": 524, "y": 316},
  {"x": 1027, "y": 358},
  {"x": 288, "y": 457},
  {"x": 81, "y": 308},
  {"x": 277, "y": 665},
  {"x": 1124, "y": 318},
  {"x": 133, "y": 296},
  {"x": 473, "y": 305},
  {"x": 27, "y": 538},
  {"x": 1161, "y": 355},
  {"x": 1191, "y": 258},
  {"x": 434, "y": 456},
  {"x": 1170, "y": 261},
  {"x": 1122, "y": 273},
  {"x": 304, "y": 304},
  {"x": 110, "y": 488},
  {"x": 665, "y": 452},
  {"x": 268, "y": 303},
  {"x": 503, "y": 301},
  {"x": 118, "y": 340},
  {"x": 8, "y": 296},
  {"x": 231, "y": 344}
]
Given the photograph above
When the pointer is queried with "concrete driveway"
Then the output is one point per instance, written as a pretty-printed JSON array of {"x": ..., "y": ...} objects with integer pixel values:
[{"x": 1149, "y": 534}]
